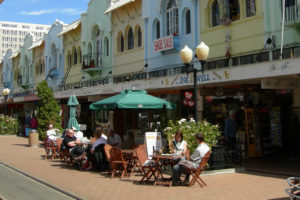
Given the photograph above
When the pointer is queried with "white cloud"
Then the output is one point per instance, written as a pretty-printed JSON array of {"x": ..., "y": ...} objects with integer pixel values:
[
  {"x": 40, "y": 12},
  {"x": 66, "y": 11},
  {"x": 71, "y": 11}
]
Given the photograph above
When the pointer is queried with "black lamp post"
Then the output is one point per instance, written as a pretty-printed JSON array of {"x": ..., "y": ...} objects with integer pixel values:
[
  {"x": 5, "y": 93},
  {"x": 186, "y": 55}
]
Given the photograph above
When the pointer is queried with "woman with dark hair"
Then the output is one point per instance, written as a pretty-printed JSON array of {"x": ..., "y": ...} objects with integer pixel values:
[{"x": 179, "y": 145}]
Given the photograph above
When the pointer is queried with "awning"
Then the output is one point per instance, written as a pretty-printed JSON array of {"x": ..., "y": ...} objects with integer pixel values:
[
  {"x": 36, "y": 44},
  {"x": 70, "y": 27},
  {"x": 117, "y": 5}
]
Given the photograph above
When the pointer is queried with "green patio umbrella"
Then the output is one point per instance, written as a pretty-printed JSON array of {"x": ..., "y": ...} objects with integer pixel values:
[
  {"x": 132, "y": 99},
  {"x": 72, "y": 102}
]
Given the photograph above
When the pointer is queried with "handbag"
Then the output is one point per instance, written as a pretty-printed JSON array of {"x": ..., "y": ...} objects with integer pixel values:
[{"x": 78, "y": 150}]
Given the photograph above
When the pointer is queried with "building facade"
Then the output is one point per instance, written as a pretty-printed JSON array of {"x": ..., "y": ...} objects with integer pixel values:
[{"x": 12, "y": 34}]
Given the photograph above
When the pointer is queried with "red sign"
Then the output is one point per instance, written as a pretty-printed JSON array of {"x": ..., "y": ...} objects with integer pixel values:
[
  {"x": 188, "y": 95},
  {"x": 191, "y": 103},
  {"x": 185, "y": 102},
  {"x": 32, "y": 97},
  {"x": 163, "y": 44}
]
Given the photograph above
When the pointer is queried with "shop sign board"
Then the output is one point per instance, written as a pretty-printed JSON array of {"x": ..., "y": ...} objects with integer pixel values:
[
  {"x": 163, "y": 44},
  {"x": 279, "y": 84}
]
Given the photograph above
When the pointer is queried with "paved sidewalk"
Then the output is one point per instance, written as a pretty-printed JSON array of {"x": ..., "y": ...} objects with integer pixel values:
[{"x": 15, "y": 152}]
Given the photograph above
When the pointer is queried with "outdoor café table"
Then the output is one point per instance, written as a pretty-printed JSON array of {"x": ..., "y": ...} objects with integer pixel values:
[
  {"x": 130, "y": 156},
  {"x": 162, "y": 160}
]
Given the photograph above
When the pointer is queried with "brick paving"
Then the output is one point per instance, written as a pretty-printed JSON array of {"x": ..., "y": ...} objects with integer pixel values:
[{"x": 14, "y": 151}]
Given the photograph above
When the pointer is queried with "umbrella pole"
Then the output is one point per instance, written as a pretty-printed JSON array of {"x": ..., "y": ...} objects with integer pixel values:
[{"x": 132, "y": 115}]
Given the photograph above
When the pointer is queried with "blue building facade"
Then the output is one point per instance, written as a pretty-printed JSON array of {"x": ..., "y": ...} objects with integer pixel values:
[
  {"x": 169, "y": 26},
  {"x": 54, "y": 55}
]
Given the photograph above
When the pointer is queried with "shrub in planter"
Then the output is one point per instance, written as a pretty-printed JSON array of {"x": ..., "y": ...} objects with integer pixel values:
[
  {"x": 190, "y": 129},
  {"x": 8, "y": 125}
]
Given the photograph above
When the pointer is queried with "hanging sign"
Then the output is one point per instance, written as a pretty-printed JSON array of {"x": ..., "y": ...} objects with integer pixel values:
[{"x": 163, "y": 44}]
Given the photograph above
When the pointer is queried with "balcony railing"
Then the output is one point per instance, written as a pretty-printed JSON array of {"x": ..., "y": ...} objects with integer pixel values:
[
  {"x": 291, "y": 52},
  {"x": 92, "y": 60},
  {"x": 292, "y": 15}
]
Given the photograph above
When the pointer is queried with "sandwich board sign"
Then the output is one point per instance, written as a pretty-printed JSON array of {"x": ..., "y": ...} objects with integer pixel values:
[{"x": 153, "y": 142}]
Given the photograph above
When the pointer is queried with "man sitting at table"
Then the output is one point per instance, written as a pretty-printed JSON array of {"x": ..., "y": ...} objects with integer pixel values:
[
  {"x": 114, "y": 139},
  {"x": 194, "y": 161}
]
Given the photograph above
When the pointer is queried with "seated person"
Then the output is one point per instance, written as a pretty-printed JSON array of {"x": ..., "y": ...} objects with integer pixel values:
[
  {"x": 179, "y": 145},
  {"x": 51, "y": 133},
  {"x": 129, "y": 142},
  {"x": 78, "y": 134},
  {"x": 72, "y": 144},
  {"x": 100, "y": 139},
  {"x": 194, "y": 161},
  {"x": 113, "y": 138}
]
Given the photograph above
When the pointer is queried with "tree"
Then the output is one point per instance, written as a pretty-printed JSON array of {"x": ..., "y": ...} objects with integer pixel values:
[{"x": 47, "y": 109}]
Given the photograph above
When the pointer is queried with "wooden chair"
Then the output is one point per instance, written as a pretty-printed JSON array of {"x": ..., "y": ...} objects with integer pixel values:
[
  {"x": 147, "y": 170},
  {"x": 118, "y": 163},
  {"x": 50, "y": 148},
  {"x": 107, "y": 149},
  {"x": 62, "y": 154},
  {"x": 196, "y": 172}
]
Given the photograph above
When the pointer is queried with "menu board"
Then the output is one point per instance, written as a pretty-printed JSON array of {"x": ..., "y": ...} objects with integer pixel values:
[{"x": 153, "y": 142}]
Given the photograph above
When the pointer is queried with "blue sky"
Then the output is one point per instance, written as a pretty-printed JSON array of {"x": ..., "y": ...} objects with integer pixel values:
[{"x": 42, "y": 11}]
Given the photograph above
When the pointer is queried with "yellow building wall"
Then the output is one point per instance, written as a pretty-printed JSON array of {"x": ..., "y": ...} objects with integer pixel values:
[
  {"x": 129, "y": 61},
  {"x": 38, "y": 58},
  {"x": 71, "y": 40},
  {"x": 241, "y": 36}
]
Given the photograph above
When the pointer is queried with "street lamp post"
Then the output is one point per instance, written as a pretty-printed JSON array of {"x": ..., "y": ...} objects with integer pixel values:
[
  {"x": 5, "y": 93},
  {"x": 186, "y": 55}
]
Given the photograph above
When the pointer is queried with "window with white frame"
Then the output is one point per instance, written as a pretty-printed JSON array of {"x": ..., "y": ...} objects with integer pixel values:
[
  {"x": 172, "y": 17},
  {"x": 250, "y": 8},
  {"x": 215, "y": 14},
  {"x": 156, "y": 28},
  {"x": 130, "y": 39},
  {"x": 188, "y": 22}
]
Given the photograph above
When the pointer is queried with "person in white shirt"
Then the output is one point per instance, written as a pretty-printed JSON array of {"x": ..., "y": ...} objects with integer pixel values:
[
  {"x": 51, "y": 133},
  {"x": 194, "y": 161},
  {"x": 78, "y": 134},
  {"x": 114, "y": 139}
]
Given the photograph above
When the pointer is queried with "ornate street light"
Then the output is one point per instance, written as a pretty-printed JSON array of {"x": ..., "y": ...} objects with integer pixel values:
[
  {"x": 5, "y": 93},
  {"x": 186, "y": 55}
]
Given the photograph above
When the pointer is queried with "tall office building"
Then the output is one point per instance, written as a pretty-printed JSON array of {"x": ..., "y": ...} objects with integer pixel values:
[{"x": 12, "y": 34}]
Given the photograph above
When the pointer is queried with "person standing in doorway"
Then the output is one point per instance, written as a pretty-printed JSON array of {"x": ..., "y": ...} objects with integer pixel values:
[{"x": 230, "y": 130}]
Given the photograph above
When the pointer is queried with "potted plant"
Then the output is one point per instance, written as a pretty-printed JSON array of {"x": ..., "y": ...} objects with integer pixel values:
[{"x": 190, "y": 129}]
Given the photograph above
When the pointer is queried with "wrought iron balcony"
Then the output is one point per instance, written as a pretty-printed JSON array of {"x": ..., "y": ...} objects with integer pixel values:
[
  {"x": 292, "y": 16},
  {"x": 92, "y": 60}
]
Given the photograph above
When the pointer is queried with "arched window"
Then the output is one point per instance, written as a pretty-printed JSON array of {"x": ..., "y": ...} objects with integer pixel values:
[
  {"x": 89, "y": 56},
  {"x": 80, "y": 55},
  {"x": 75, "y": 56},
  {"x": 106, "y": 43},
  {"x": 215, "y": 14},
  {"x": 172, "y": 17},
  {"x": 53, "y": 56},
  {"x": 157, "y": 29},
  {"x": 188, "y": 22},
  {"x": 232, "y": 10},
  {"x": 130, "y": 39},
  {"x": 41, "y": 68},
  {"x": 139, "y": 36},
  {"x": 250, "y": 8},
  {"x": 120, "y": 42},
  {"x": 69, "y": 59}
]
